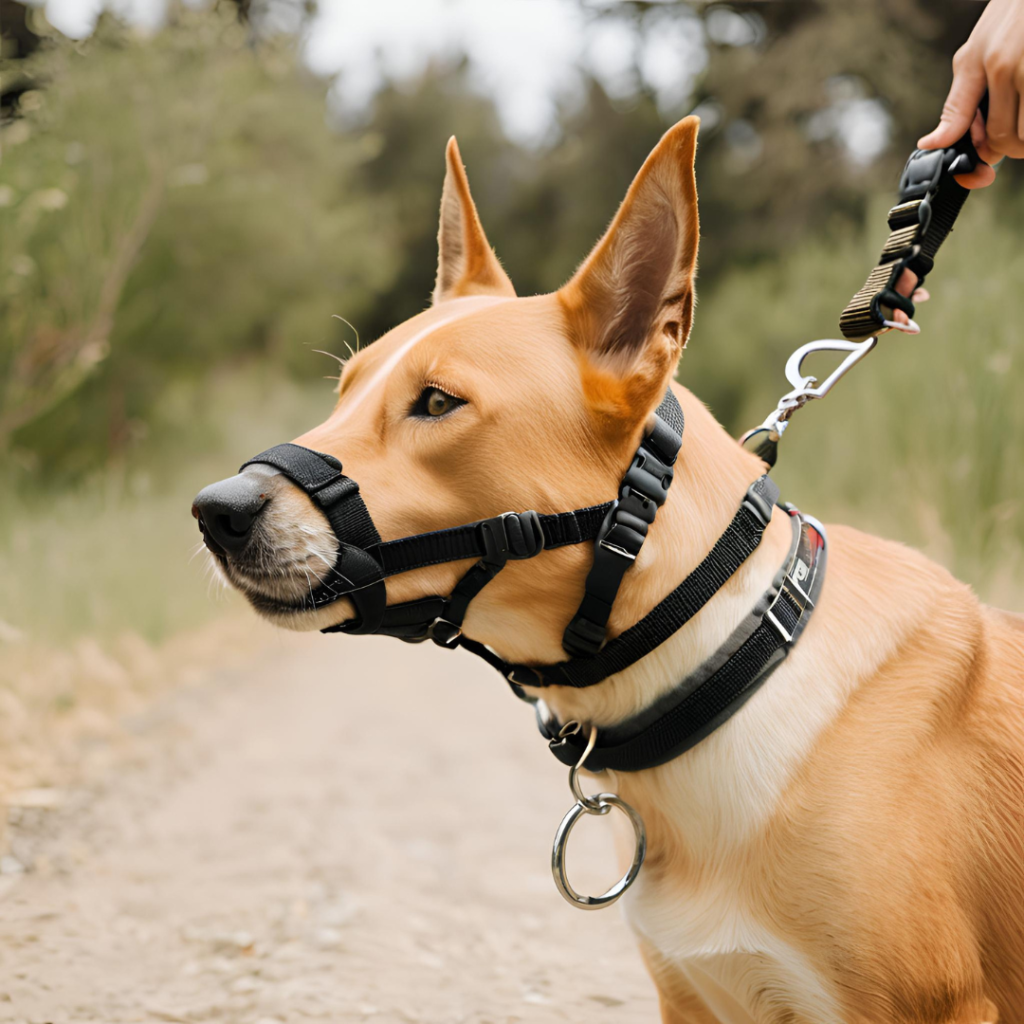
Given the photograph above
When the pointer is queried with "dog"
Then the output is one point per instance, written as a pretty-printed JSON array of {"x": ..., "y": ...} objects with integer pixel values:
[{"x": 848, "y": 847}]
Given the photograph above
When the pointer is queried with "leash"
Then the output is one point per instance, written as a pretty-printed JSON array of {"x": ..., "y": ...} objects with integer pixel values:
[{"x": 929, "y": 201}]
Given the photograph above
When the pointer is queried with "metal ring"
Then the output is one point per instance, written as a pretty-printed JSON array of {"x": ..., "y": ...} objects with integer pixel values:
[
  {"x": 606, "y": 801},
  {"x": 591, "y": 805}
]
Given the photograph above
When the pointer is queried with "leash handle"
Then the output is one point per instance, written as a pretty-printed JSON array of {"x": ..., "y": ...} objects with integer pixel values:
[{"x": 930, "y": 200}]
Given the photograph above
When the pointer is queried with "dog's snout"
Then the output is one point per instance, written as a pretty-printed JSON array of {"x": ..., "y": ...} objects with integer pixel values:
[{"x": 227, "y": 511}]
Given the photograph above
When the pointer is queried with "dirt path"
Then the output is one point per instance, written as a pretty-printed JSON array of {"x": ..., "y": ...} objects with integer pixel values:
[{"x": 296, "y": 846}]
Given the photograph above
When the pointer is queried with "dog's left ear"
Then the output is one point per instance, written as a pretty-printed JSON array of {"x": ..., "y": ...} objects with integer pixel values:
[
  {"x": 466, "y": 264},
  {"x": 630, "y": 305}
]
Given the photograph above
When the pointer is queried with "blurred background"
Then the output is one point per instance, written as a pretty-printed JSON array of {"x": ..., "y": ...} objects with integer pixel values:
[{"x": 191, "y": 193}]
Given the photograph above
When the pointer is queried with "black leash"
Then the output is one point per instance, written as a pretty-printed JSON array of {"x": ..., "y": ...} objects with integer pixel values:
[{"x": 930, "y": 200}]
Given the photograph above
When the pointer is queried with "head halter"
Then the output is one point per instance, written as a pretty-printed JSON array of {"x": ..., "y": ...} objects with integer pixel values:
[{"x": 617, "y": 529}]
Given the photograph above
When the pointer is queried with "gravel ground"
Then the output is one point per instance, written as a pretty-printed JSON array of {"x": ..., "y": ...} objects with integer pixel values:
[{"x": 347, "y": 829}]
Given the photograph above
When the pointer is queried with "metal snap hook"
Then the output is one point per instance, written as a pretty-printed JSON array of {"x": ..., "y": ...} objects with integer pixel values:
[{"x": 599, "y": 804}]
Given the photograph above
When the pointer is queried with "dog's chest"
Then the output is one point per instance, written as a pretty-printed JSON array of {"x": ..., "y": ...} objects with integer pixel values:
[{"x": 742, "y": 971}]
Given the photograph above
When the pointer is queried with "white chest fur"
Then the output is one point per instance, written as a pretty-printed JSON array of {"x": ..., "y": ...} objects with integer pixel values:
[
  {"x": 741, "y": 971},
  {"x": 720, "y": 796}
]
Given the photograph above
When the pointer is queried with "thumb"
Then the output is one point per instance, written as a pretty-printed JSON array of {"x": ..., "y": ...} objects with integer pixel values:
[{"x": 958, "y": 111}]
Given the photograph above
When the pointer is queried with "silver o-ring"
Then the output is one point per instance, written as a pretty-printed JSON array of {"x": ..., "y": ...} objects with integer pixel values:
[{"x": 604, "y": 801}]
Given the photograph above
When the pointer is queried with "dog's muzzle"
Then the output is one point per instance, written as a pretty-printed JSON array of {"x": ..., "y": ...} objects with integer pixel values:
[{"x": 228, "y": 510}]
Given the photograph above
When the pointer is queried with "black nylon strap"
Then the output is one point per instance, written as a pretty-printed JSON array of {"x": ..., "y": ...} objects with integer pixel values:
[
  {"x": 643, "y": 490},
  {"x": 702, "y": 702},
  {"x": 462, "y": 542},
  {"x": 689, "y": 721},
  {"x": 730, "y": 551},
  {"x": 309, "y": 469}
]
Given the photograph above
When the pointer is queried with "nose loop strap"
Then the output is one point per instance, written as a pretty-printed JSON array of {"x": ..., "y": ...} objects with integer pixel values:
[{"x": 356, "y": 574}]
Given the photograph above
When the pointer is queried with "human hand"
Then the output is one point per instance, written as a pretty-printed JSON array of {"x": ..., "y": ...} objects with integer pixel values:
[{"x": 992, "y": 59}]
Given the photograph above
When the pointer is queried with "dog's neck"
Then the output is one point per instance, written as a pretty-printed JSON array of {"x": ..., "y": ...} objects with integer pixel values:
[{"x": 712, "y": 474}]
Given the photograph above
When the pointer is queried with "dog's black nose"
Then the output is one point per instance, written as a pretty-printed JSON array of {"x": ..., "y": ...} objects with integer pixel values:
[{"x": 227, "y": 511}]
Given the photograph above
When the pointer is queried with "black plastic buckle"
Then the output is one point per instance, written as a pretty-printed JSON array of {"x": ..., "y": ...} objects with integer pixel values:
[
  {"x": 511, "y": 536},
  {"x": 921, "y": 173},
  {"x": 649, "y": 477},
  {"x": 583, "y": 638},
  {"x": 444, "y": 633}
]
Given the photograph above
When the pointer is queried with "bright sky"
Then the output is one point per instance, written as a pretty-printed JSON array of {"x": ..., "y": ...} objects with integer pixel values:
[{"x": 524, "y": 53}]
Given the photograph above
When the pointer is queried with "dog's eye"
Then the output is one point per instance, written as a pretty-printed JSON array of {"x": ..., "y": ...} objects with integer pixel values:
[{"x": 435, "y": 402}]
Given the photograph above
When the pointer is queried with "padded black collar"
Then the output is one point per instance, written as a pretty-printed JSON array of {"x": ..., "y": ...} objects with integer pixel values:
[{"x": 715, "y": 691}]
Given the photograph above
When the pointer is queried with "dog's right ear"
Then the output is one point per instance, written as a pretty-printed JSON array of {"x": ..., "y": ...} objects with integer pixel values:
[{"x": 466, "y": 264}]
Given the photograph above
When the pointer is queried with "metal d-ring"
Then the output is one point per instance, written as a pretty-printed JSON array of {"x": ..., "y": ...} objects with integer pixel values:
[{"x": 599, "y": 804}]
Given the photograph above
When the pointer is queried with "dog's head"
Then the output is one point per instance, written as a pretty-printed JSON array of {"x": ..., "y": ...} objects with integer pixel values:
[{"x": 483, "y": 403}]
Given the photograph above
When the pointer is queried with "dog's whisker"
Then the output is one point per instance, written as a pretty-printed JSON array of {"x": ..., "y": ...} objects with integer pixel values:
[
  {"x": 341, "y": 362},
  {"x": 354, "y": 331}
]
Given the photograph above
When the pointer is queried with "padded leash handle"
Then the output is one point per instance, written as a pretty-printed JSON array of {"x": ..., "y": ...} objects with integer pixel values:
[{"x": 930, "y": 200}]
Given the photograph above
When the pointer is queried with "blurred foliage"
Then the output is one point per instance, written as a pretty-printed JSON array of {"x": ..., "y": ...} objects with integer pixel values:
[
  {"x": 218, "y": 217},
  {"x": 169, "y": 204},
  {"x": 919, "y": 443},
  {"x": 185, "y": 210},
  {"x": 782, "y": 92}
]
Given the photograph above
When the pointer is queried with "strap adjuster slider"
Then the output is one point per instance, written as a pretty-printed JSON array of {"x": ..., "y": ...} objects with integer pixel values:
[{"x": 617, "y": 549}]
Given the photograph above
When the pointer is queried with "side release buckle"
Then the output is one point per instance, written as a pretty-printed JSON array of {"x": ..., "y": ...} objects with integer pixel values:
[{"x": 511, "y": 536}]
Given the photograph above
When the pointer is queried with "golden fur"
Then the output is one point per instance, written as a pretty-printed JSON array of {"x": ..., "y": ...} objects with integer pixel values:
[{"x": 849, "y": 847}]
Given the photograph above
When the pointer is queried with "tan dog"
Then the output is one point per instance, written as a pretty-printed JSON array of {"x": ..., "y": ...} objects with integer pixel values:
[{"x": 849, "y": 847}]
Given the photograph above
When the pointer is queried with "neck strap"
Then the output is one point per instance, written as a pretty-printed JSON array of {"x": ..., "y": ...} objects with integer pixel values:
[{"x": 714, "y": 692}]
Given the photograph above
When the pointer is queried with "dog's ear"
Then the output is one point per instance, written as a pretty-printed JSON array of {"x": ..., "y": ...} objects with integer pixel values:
[
  {"x": 466, "y": 264},
  {"x": 630, "y": 305}
]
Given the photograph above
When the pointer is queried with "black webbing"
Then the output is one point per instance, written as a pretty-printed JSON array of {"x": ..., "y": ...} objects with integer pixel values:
[
  {"x": 730, "y": 551},
  {"x": 461, "y": 542},
  {"x": 309, "y": 469},
  {"x": 337, "y": 495},
  {"x": 671, "y": 412},
  {"x": 699, "y": 711},
  {"x": 642, "y": 491}
]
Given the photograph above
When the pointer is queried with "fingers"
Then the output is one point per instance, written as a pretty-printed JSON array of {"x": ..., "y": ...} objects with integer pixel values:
[
  {"x": 979, "y": 136},
  {"x": 982, "y": 176},
  {"x": 906, "y": 285},
  {"x": 969, "y": 84},
  {"x": 1004, "y": 108}
]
